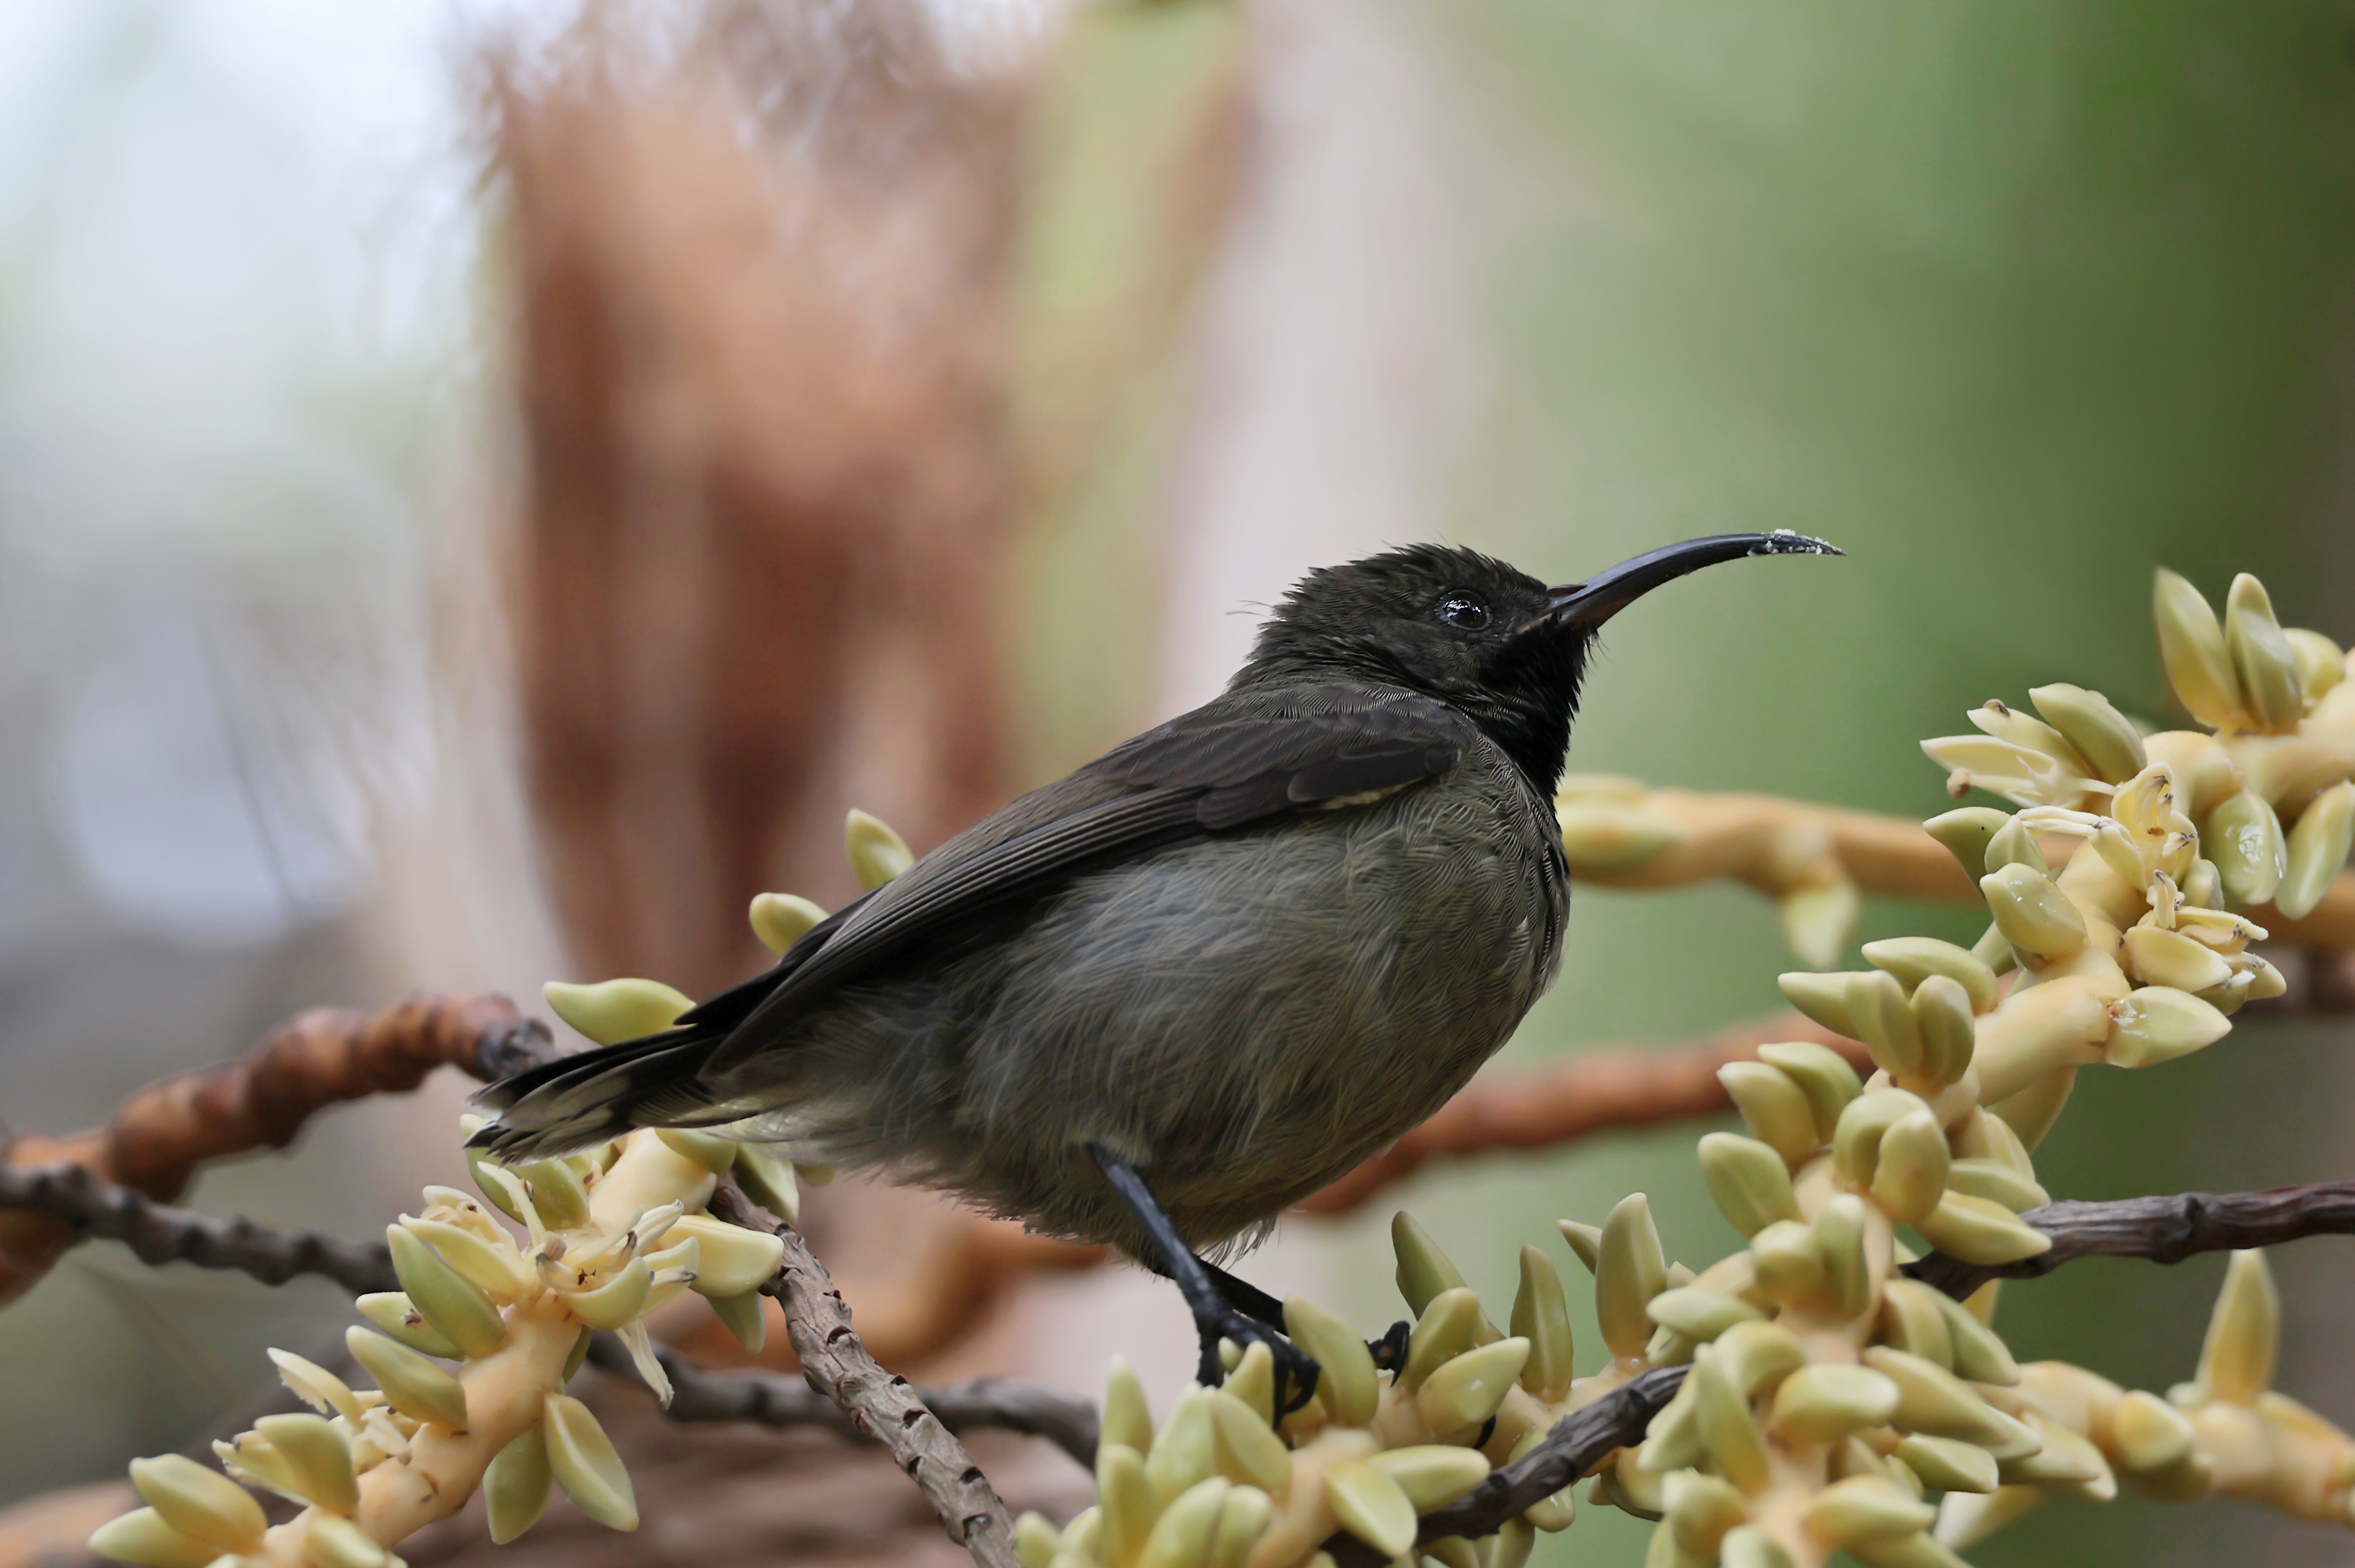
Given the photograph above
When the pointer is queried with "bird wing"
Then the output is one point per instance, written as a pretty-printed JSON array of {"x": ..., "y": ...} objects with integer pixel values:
[{"x": 1210, "y": 772}]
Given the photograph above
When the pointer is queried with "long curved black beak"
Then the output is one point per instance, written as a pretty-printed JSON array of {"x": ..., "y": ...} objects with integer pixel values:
[{"x": 1587, "y": 605}]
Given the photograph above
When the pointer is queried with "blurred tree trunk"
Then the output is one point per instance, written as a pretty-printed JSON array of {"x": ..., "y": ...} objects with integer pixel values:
[{"x": 759, "y": 329}]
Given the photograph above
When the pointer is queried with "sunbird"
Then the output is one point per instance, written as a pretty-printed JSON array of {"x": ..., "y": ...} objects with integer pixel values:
[{"x": 1160, "y": 1000}]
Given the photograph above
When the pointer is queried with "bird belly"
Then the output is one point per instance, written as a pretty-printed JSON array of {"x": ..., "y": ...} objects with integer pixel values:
[{"x": 1246, "y": 1019}]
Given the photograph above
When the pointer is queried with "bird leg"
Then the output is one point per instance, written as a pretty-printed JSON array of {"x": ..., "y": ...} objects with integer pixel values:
[
  {"x": 1388, "y": 1352},
  {"x": 1244, "y": 1296},
  {"x": 1249, "y": 1317}
]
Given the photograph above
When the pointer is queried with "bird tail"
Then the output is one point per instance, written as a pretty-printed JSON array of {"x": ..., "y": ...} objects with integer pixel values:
[
  {"x": 584, "y": 1099},
  {"x": 578, "y": 1101}
]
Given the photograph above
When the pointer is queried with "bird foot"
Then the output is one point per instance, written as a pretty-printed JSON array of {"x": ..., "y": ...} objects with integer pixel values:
[
  {"x": 1389, "y": 1351},
  {"x": 1296, "y": 1371}
]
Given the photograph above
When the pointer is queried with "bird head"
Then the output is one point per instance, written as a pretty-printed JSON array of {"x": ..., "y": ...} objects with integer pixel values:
[{"x": 1495, "y": 643}]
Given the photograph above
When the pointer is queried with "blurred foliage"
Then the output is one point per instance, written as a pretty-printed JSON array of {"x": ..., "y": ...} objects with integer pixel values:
[
  {"x": 1130, "y": 162},
  {"x": 233, "y": 352}
]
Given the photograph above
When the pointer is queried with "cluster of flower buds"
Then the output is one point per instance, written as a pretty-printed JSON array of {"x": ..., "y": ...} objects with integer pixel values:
[
  {"x": 610, "y": 1235},
  {"x": 2226, "y": 1433},
  {"x": 2267, "y": 795},
  {"x": 1220, "y": 1484}
]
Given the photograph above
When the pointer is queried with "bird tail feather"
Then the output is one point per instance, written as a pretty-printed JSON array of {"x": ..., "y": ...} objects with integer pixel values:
[
  {"x": 580, "y": 1101},
  {"x": 576, "y": 1101}
]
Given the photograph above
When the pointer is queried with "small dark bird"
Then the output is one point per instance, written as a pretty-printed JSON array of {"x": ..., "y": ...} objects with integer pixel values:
[{"x": 1205, "y": 975}]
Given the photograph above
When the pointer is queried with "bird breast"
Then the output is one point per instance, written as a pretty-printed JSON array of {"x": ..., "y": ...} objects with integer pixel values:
[{"x": 1250, "y": 1017}]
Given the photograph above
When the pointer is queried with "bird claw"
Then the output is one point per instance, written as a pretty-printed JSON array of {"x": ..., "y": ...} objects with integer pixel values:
[
  {"x": 1296, "y": 1371},
  {"x": 1389, "y": 1351}
]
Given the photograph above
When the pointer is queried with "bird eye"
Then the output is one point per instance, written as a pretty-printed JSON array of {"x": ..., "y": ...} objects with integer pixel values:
[{"x": 1463, "y": 611}]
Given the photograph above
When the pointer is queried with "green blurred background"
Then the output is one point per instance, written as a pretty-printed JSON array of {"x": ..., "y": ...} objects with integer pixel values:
[{"x": 2015, "y": 302}]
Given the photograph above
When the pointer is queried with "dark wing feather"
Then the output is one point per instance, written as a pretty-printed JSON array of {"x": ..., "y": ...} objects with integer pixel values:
[
  {"x": 707, "y": 1021},
  {"x": 1208, "y": 772}
]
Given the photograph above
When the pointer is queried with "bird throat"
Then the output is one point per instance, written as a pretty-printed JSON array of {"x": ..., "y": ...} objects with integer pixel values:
[{"x": 1527, "y": 705}]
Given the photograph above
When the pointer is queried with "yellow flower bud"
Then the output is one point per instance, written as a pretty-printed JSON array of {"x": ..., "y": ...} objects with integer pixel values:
[
  {"x": 1370, "y": 1506},
  {"x": 2243, "y": 837},
  {"x": 2104, "y": 737},
  {"x": 1912, "y": 960},
  {"x": 2032, "y": 913},
  {"x": 877, "y": 854},
  {"x": 582, "y": 1460},
  {"x": 316, "y": 1458},
  {"x": 2316, "y": 852},
  {"x": 1748, "y": 1179},
  {"x": 142, "y": 1536},
  {"x": 1909, "y": 1174},
  {"x": 1979, "y": 1232},
  {"x": 781, "y": 919},
  {"x": 1822, "y": 1074},
  {"x": 199, "y": 1501},
  {"x": 1540, "y": 1316},
  {"x": 1126, "y": 1497},
  {"x": 514, "y": 1488},
  {"x": 1826, "y": 1402},
  {"x": 2272, "y": 688},
  {"x": 2236, "y": 1363},
  {"x": 1467, "y": 1390},
  {"x": 411, "y": 1384},
  {"x": 1773, "y": 1107},
  {"x": 1630, "y": 1269},
  {"x": 1866, "y": 1509},
  {"x": 616, "y": 1009},
  {"x": 1433, "y": 1475},
  {"x": 1964, "y": 831},
  {"x": 2191, "y": 645}
]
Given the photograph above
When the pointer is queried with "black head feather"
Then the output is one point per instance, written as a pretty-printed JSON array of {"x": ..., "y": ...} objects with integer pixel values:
[{"x": 1449, "y": 622}]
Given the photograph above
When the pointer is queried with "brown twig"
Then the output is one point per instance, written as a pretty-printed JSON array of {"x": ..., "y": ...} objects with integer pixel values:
[
  {"x": 1548, "y": 1107},
  {"x": 880, "y": 1405},
  {"x": 86, "y": 1204},
  {"x": 163, "y": 1132},
  {"x": 771, "y": 1399},
  {"x": 1579, "y": 1442},
  {"x": 2159, "y": 1229}
]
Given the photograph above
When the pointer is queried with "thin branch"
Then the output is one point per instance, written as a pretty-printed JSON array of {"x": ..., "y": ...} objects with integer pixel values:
[
  {"x": 72, "y": 1197},
  {"x": 773, "y": 1399},
  {"x": 880, "y": 1404},
  {"x": 1548, "y": 1107},
  {"x": 2159, "y": 1229},
  {"x": 165, "y": 1131},
  {"x": 1579, "y": 1442}
]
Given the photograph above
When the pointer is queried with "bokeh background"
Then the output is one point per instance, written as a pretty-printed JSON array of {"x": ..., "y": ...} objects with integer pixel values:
[{"x": 484, "y": 487}]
